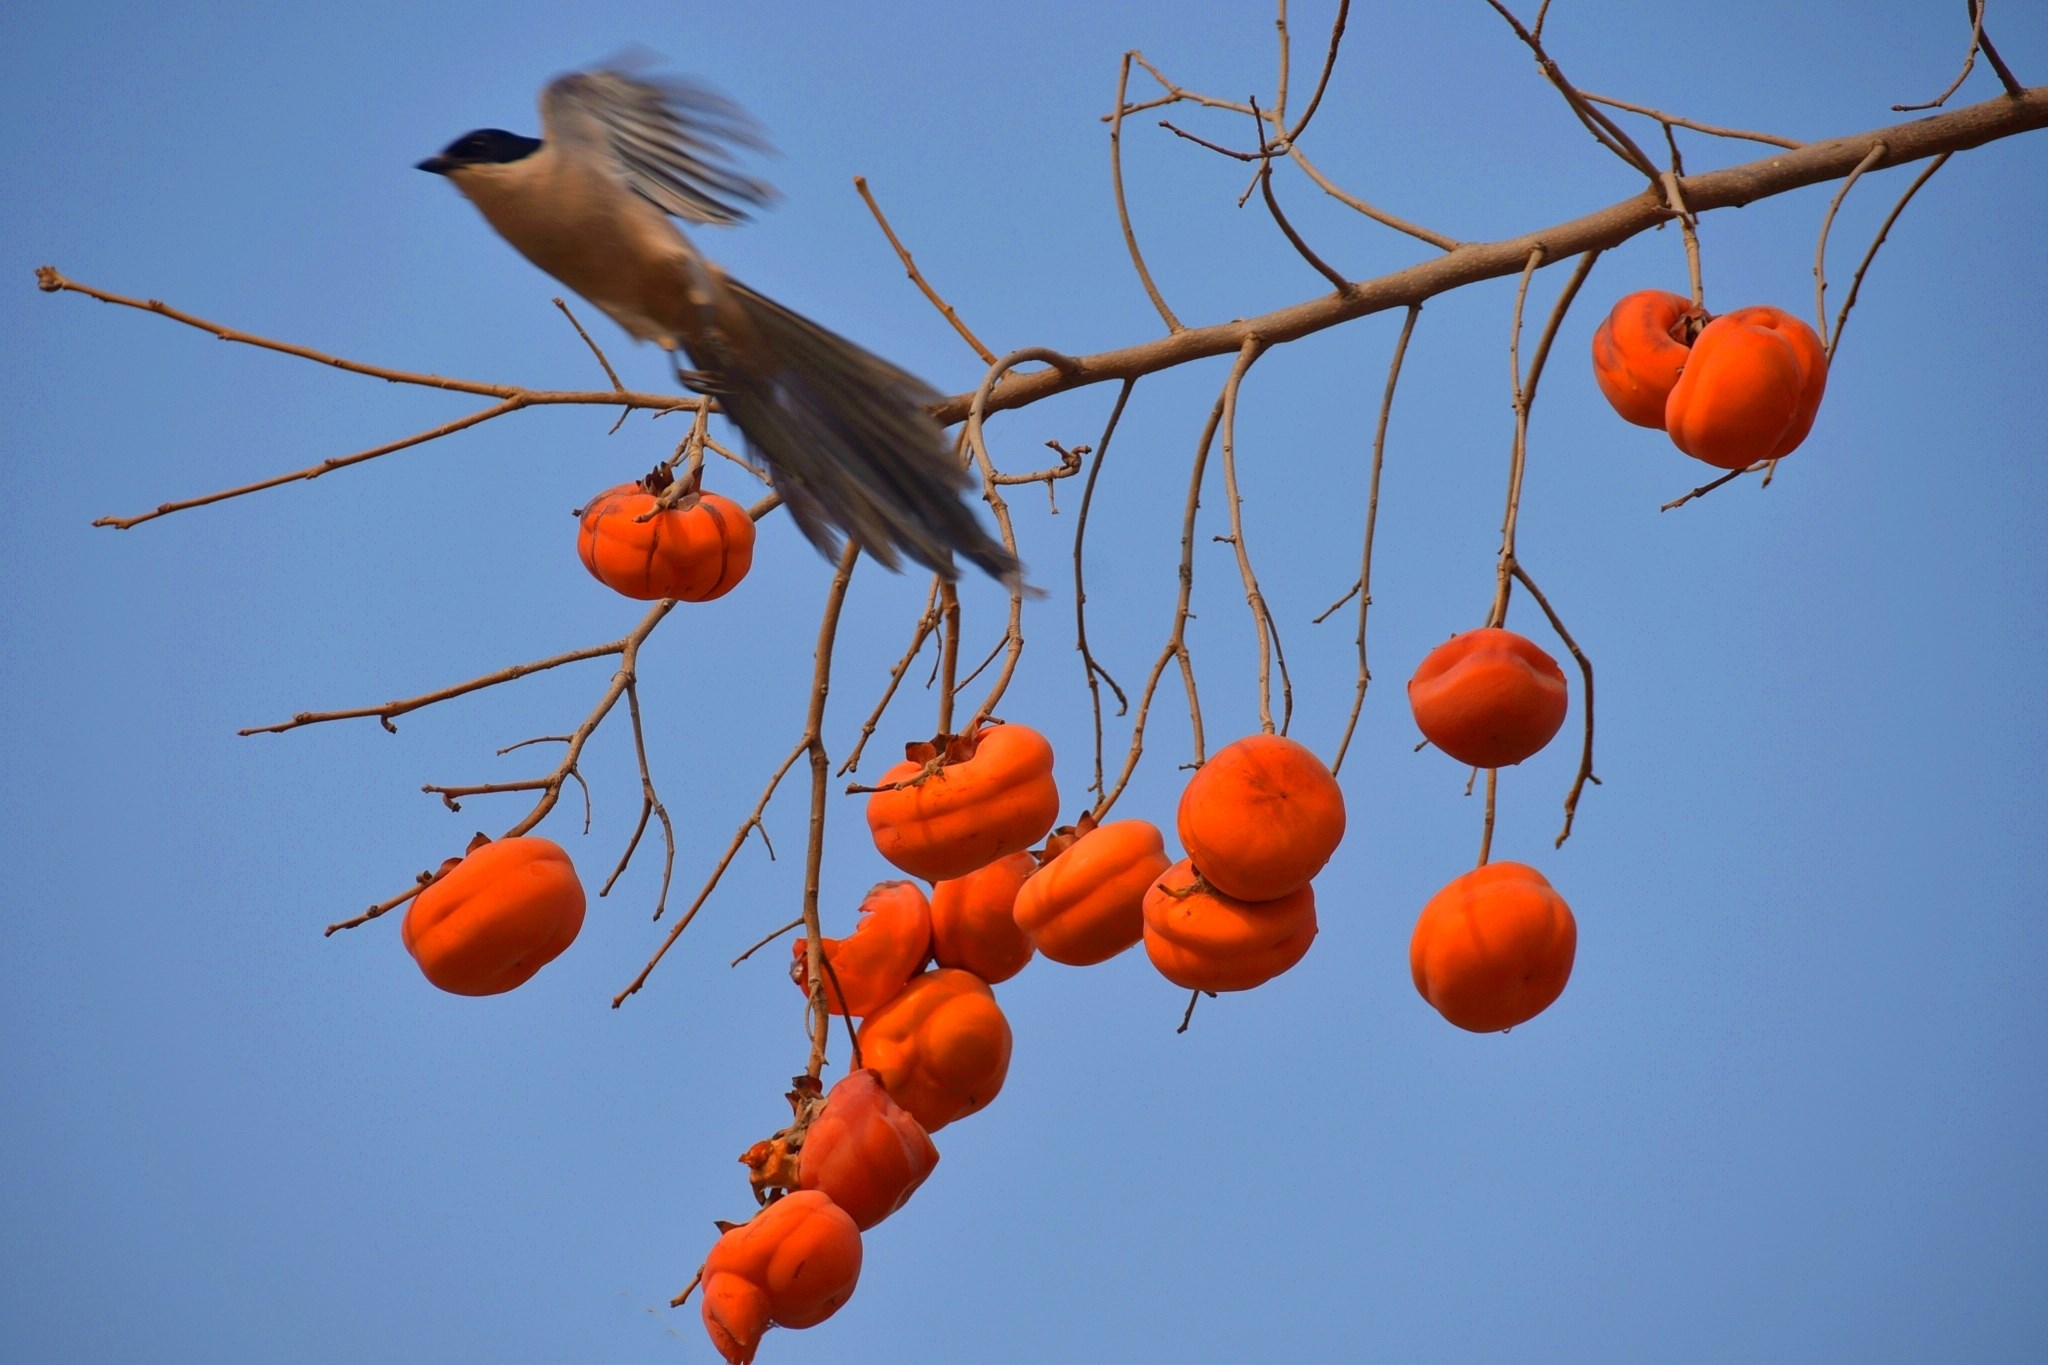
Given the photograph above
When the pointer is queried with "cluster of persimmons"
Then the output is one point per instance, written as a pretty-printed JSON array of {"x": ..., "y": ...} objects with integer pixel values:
[{"x": 972, "y": 816}]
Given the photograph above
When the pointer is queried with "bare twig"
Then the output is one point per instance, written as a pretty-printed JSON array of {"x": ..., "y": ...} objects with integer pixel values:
[
  {"x": 1669, "y": 120},
  {"x": 1820, "y": 250},
  {"x": 1176, "y": 648},
  {"x": 1091, "y": 668},
  {"x": 1883, "y": 230},
  {"x": 1585, "y": 772},
  {"x": 796, "y": 923},
  {"x": 1262, "y": 619},
  {"x": 988, "y": 357},
  {"x": 1265, "y": 181},
  {"x": 1604, "y": 129},
  {"x": 1123, "y": 212},
  {"x": 596, "y": 350},
  {"x": 1372, "y": 512},
  {"x": 926, "y": 624},
  {"x": 649, "y": 804}
]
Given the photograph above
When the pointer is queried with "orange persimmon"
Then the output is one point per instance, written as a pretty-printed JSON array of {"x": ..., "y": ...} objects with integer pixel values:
[
  {"x": 1494, "y": 948},
  {"x": 792, "y": 1264},
  {"x": 1204, "y": 940},
  {"x": 941, "y": 1048},
  {"x": 1640, "y": 349},
  {"x": 1488, "y": 697},
  {"x": 973, "y": 924},
  {"x": 1085, "y": 903},
  {"x": 696, "y": 550},
  {"x": 492, "y": 918},
  {"x": 1261, "y": 817},
  {"x": 879, "y": 957},
  {"x": 1750, "y": 390},
  {"x": 866, "y": 1151},
  {"x": 965, "y": 801}
]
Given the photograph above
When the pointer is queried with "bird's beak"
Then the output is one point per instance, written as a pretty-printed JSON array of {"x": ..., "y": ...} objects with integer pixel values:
[{"x": 439, "y": 165}]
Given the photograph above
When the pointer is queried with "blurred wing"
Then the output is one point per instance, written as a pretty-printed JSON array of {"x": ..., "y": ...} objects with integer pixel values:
[
  {"x": 672, "y": 141},
  {"x": 848, "y": 439}
]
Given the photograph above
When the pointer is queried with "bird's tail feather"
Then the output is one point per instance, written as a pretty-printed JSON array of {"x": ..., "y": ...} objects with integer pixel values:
[{"x": 848, "y": 440}]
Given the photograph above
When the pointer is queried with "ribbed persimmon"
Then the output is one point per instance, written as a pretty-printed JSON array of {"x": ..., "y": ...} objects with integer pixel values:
[
  {"x": 960, "y": 802},
  {"x": 1640, "y": 349},
  {"x": 696, "y": 550},
  {"x": 1494, "y": 948},
  {"x": 1204, "y": 940},
  {"x": 1261, "y": 817},
  {"x": 973, "y": 921},
  {"x": 1750, "y": 390},
  {"x": 886, "y": 949},
  {"x": 1488, "y": 697},
  {"x": 866, "y": 1151},
  {"x": 792, "y": 1264},
  {"x": 492, "y": 918},
  {"x": 1086, "y": 903},
  {"x": 941, "y": 1048}
]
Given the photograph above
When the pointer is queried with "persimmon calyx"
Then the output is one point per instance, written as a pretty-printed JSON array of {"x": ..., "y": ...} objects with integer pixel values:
[
  {"x": 772, "y": 1163},
  {"x": 1066, "y": 836}
]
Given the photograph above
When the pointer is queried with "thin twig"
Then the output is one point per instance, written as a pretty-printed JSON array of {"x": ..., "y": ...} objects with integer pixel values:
[
  {"x": 1604, "y": 129},
  {"x": 1091, "y": 668},
  {"x": 1123, "y": 212},
  {"x": 796, "y": 923},
  {"x": 1976, "y": 9},
  {"x": 1668, "y": 120},
  {"x": 1486, "y": 831},
  {"x": 926, "y": 624},
  {"x": 1883, "y": 230},
  {"x": 596, "y": 350},
  {"x": 988, "y": 357},
  {"x": 1262, "y": 618},
  {"x": 1372, "y": 513},
  {"x": 649, "y": 804},
  {"x": 1585, "y": 771},
  {"x": 1176, "y": 648},
  {"x": 1820, "y": 250},
  {"x": 1265, "y": 180}
]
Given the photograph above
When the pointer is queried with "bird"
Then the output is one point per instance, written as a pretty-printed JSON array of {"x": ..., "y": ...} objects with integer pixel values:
[{"x": 593, "y": 201}]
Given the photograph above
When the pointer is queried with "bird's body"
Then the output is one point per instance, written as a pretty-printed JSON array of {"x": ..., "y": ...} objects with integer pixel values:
[{"x": 592, "y": 202}]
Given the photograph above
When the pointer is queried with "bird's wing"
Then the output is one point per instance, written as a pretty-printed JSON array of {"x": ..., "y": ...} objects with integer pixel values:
[
  {"x": 847, "y": 437},
  {"x": 671, "y": 141}
]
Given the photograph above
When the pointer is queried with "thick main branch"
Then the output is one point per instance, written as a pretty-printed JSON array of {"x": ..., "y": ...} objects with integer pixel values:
[{"x": 1813, "y": 164}]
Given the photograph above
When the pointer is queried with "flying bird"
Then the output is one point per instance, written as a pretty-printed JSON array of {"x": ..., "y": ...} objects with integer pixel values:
[{"x": 845, "y": 435}]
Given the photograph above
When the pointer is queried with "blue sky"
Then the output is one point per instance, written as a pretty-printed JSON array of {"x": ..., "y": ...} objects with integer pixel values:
[{"x": 1791, "y": 1105}]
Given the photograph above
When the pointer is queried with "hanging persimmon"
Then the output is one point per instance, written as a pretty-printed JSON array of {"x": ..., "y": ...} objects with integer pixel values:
[
  {"x": 941, "y": 1047},
  {"x": 792, "y": 1264},
  {"x": 959, "y": 802},
  {"x": 696, "y": 550},
  {"x": 866, "y": 1151},
  {"x": 1494, "y": 948},
  {"x": 1085, "y": 903},
  {"x": 1202, "y": 939},
  {"x": 492, "y": 918},
  {"x": 1261, "y": 817},
  {"x": 868, "y": 967},
  {"x": 1750, "y": 389},
  {"x": 974, "y": 922},
  {"x": 1640, "y": 349},
  {"x": 1488, "y": 697}
]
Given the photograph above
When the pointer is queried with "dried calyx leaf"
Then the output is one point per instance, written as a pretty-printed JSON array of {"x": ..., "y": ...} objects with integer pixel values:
[
  {"x": 773, "y": 1164},
  {"x": 1065, "y": 837}
]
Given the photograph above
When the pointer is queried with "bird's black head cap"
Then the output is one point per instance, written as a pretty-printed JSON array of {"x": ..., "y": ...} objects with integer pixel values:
[{"x": 484, "y": 147}]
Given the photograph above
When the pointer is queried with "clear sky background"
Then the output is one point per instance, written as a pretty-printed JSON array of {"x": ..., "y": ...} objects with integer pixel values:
[{"x": 1791, "y": 1106}]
